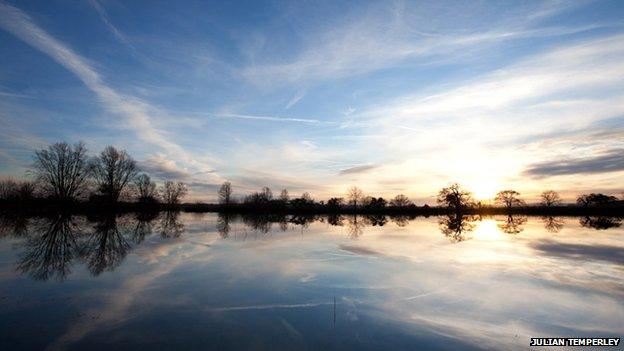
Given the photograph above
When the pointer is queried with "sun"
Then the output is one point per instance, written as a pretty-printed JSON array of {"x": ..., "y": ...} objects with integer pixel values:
[{"x": 484, "y": 189}]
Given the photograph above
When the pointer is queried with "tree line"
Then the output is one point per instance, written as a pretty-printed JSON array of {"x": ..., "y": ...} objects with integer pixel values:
[
  {"x": 453, "y": 197},
  {"x": 66, "y": 173}
]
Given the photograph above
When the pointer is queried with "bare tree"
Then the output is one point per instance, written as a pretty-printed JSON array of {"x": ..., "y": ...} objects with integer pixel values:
[
  {"x": 354, "y": 195},
  {"x": 455, "y": 197},
  {"x": 62, "y": 170},
  {"x": 334, "y": 203},
  {"x": 225, "y": 193},
  {"x": 400, "y": 201},
  {"x": 26, "y": 190},
  {"x": 8, "y": 189},
  {"x": 508, "y": 198},
  {"x": 172, "y": 192},
  {"x": 595, "y": 199},
  {"x": 266, "y": 194},
  {"x": 550, "y": 198},
  {"x": 113, "y": 170},
  {"x": 306, "y": 197},
  {"x": 284, "y": 197},
  {"x": 146, "y": 188}
]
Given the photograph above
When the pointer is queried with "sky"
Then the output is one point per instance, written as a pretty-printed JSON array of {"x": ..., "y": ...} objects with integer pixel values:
[{"x": 390, "y": 96}]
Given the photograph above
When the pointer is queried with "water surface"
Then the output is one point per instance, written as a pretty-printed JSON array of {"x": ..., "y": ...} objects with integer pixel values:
[{"x": 224, "y": 282}]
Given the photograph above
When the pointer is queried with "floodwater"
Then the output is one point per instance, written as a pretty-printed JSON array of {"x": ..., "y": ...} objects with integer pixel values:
[{"x": 188, "y": 281}]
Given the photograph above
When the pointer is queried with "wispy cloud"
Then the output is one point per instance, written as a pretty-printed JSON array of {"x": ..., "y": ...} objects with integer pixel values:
[
  {"x": 104, "y": 16},
  {"x": 135, "y": 112},
  {"x": 612, "y": 161},
  {"x": 384, "y": 37},
  {"x": 357, "y": 169},
  {"x": 270, "y": 118},
  {"x": 13, "y": 95},
  {"x": 160, "y": 167},
  {"x": 295, "y": 99}
]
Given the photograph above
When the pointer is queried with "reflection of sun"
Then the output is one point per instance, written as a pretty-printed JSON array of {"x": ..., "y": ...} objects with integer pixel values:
[{"x": 487, "y": 229}]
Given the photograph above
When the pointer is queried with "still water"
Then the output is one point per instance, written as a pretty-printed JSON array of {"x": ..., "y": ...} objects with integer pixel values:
[{"x": 206, "y": 281}]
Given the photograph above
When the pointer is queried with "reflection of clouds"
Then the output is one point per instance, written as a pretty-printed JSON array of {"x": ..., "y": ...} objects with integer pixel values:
[
  {"x": 153, "y": 266},
  {"x": 484, "y": 291},
  {"x": 268, "y": 307},
  {"x": 358, "y": 250},
  {"x": 610, "y": 254}
]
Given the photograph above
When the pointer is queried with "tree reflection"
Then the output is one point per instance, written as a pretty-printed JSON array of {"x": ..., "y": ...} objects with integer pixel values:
[
  {"x": 335, "y": 220},
  {"x": 143, "y": 226},
  {"x": 553, "y": 224},
  {"x": 50, "y": 251},
  {"x": 456, "y": 227},
  {"x": 376, "y": 220},
  {"x": 600, "y": 223},
  {"x": 401, "y": 220},
  {"x": 302, "y": 220},
  {"x": 14, "y": 225},
  {"x": 106, "y": 247},
  {"x": 355, "y": 227},
  {"x": 259, "y": 223},
  {"x": 223, "y": 225},
  {"x": 170, "y": 225},
  {"x": 513, "y": 224}
]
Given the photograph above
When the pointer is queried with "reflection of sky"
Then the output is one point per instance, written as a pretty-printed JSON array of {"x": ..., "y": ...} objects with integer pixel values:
[{"x": 394, "y": 286}]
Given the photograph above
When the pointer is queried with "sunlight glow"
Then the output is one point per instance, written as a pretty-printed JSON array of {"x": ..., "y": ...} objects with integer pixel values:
[{"x": 484, "y": 190}]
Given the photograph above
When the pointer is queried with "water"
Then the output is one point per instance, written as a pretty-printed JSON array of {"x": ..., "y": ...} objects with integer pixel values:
[{"x": 203, "y": 281}]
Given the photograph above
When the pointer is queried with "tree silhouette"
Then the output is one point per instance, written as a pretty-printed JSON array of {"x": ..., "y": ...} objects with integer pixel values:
[
  {"x": 225, "y": 193},
  {"x": 284, "y": 197},
  {"x": 266, "y": 194},
  {"x": 146, "y": 189},
  {"x": 334, "y": 204},
  {"x": 376, "y": 203},
  {"x": 508, "y": 198},
  {"x": 172, "y": 193},
  {"x": 260, "y": 198},
  {"x": 62, "y": 170},
  {"x": 354, "y": 194},
  {"x": 593, "y": 199},
  {"x": 455, "y": 198},
  {"x": 400, "y": 201},
  {"x": 550, "y": 198},
  {"x": 113, "y": 170},
  {"x": 16, "y": 191}
]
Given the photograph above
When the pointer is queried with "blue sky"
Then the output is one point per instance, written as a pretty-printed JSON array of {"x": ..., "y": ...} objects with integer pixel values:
[{"x": 395, "y": 97}]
